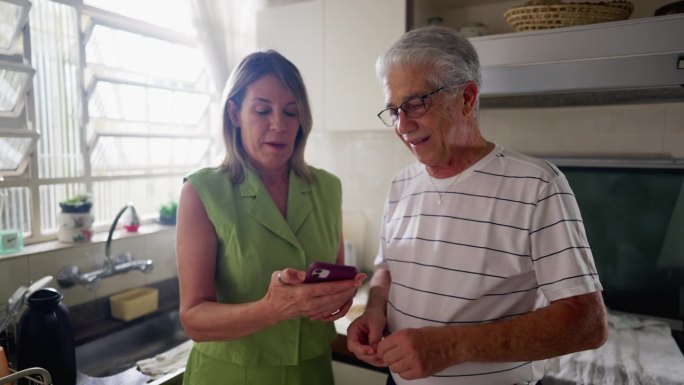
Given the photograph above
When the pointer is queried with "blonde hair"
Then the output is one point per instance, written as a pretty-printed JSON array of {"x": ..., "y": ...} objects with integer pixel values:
[{"x": 250, "y": 69}]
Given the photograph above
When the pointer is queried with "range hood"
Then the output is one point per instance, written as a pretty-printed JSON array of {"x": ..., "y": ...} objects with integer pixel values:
[{"x": 631, "y": 61}]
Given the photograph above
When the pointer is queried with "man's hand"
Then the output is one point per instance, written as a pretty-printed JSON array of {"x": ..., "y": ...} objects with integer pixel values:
[
  {"x": 363, "y": 336},
  {"x": 416, "y": 353}
]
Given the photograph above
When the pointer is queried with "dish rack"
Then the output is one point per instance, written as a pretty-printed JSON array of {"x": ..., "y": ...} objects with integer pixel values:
[
  {"x": 546, "y": 14},
  {"x": 35, "y": 376}
]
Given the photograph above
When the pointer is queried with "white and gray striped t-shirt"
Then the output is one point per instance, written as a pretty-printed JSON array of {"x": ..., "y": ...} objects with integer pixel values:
[{"x": 507, "y": 239}]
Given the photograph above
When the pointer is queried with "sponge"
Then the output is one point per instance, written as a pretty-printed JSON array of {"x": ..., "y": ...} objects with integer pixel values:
[{"x": 134, "y": 303}]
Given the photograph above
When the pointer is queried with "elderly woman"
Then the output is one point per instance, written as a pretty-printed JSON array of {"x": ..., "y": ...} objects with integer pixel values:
[{"x": 248, "y": 229}]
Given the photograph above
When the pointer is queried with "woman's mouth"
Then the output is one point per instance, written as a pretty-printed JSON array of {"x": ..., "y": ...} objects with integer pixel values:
[{"x": 276, "y": 145}]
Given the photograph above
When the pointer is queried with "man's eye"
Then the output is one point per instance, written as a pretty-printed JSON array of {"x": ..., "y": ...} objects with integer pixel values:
[{"x": 411, "y": 105}]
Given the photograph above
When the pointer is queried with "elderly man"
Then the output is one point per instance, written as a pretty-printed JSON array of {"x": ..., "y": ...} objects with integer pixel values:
[{"x": 484, "y": 269}]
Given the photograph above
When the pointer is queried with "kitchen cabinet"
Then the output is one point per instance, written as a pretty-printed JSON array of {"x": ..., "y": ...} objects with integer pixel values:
[
  {"x": 630, "y": 61},
  {"x": 334, "y": 43},
  {"x": 459, "y": 13}
]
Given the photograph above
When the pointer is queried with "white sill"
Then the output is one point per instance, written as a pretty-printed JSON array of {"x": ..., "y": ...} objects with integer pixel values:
[{"x": 98, "y": 237}]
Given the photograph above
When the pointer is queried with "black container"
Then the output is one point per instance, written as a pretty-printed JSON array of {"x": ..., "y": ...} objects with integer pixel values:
[{"x": 46, "y": 337}]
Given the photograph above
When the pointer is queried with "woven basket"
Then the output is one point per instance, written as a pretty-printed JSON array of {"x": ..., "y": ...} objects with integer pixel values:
[{"x": 545, "y": 16}]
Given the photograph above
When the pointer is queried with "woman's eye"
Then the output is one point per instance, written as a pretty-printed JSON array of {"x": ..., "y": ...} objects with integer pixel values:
[
  {"x": 291, "y": 114},
  {"x": 262, "y": 112}
]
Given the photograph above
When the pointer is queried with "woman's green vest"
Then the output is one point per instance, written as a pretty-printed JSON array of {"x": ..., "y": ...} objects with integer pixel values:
[{"x": 254, "y": 240}]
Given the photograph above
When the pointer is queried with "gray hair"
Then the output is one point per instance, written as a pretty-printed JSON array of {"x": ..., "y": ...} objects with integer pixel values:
[
  {"x": 251, "y": 69},
  {"x": 451, "y": 57}
]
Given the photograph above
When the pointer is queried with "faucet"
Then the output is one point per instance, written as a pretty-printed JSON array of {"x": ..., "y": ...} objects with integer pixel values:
[{"x": 71, "y": 275}]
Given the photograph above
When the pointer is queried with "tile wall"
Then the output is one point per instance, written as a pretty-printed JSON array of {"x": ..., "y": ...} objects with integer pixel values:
[{"x": 154, "y": 242}]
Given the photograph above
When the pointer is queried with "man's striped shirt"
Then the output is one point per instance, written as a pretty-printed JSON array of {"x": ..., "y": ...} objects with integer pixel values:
[{"x": 507, "y": 239}]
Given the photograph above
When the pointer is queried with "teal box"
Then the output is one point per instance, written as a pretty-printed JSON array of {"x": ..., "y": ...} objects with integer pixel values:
[{"x": 11, "y": 241}]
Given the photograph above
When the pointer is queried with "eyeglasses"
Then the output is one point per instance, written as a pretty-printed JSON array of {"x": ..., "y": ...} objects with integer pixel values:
[{"x": 413, "y": 108}]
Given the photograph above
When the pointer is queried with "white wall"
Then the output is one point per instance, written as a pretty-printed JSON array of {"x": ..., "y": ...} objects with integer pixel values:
[{"x": 366, "y": 161}]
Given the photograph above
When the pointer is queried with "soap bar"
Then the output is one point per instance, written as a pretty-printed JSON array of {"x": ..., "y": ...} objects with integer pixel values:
[{"x": 11, "y": 241}]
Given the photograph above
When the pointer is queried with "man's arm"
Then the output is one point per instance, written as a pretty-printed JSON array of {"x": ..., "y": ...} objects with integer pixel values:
[{"x": 567, "y": 325}]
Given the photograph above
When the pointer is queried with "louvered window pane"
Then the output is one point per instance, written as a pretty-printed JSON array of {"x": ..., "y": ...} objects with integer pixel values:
[
  {"x": 14, "y": 80},
  {"x": 115, "y": 155},
  {"x": 13, "y": 152},
  {"x": 171, "y": 14},
  {"x": 13, "y": 16},
  {"x": 55, "y": 55},
  {"x": 15, "y": 207},
  {"x": 105, "y": 125},
  {"x": 135, "y": 102},
  {"x": 147, "y": 195},
  {"x": 50, "y": 196},
  {"x": 123, "y": 50}
]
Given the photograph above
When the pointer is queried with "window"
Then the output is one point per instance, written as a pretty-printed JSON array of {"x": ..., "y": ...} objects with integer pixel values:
[{"x": 107, "y": 97}]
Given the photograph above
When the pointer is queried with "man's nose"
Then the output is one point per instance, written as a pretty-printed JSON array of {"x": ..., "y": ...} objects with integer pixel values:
[{"x": 404, "y": 124}]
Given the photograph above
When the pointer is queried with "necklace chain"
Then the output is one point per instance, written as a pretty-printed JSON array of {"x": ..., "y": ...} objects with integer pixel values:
[{"x": 440, "y": 193}]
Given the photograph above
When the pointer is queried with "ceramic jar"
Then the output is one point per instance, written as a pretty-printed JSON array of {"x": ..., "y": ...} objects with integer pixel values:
[{"x": 75, "y": 227}]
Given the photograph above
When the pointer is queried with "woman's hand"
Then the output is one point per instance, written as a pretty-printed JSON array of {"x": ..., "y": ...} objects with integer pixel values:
[
  {"x": 290, "y": 297},
  {"x": 342, "y": 311}
]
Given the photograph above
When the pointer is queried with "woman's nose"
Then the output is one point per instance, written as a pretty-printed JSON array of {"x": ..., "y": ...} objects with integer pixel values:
[{"x": 277, "y": 122}]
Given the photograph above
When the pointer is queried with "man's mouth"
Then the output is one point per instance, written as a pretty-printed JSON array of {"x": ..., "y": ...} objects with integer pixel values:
[{"x": 418, "y": 141}]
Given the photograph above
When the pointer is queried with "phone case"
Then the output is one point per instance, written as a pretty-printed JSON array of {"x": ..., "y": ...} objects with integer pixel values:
[{"x": 322, "y": 272}]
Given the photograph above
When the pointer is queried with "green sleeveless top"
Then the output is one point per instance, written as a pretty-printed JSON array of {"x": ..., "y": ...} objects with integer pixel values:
[{"x": 254, "y": 240}]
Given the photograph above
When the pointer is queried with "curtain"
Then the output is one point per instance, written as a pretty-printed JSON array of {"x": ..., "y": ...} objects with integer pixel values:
[{"x": 227, "y": 33}]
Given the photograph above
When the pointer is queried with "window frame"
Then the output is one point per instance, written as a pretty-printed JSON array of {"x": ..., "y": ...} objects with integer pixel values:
[{"x": 29, "y": 177}]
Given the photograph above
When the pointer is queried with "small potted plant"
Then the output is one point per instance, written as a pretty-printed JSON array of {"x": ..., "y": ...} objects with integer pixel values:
[
  {"x": 77, "y": 204},
  {"x": 167, "y": 213},
  {"x": 75, "y": 222}
]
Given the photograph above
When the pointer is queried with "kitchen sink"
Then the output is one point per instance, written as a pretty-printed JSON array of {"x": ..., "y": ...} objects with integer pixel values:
[{"x": 119, "y": 351}]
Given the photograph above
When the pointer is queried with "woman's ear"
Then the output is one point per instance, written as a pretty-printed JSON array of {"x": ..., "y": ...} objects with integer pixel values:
[
  {"x": 232, "y": 111},
  {"x": 470, "y": 93}
]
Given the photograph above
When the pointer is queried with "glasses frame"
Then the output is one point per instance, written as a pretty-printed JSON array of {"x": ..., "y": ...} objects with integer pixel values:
[{"x": 394, "y": 118}]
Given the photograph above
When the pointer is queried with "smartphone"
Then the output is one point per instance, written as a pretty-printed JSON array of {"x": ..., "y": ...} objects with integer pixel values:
[{"x": 323, "y": 272}]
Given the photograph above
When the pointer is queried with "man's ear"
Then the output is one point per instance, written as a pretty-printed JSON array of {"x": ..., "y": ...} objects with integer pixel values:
[
  {"x": 232, "y": 111},
  {"x": 470, "y": 93}
]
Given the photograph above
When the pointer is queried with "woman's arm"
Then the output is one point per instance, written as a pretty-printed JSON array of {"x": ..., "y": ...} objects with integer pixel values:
[
  {"x": 203, "y": 318},
  {"x": 196, "y": 246}
]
